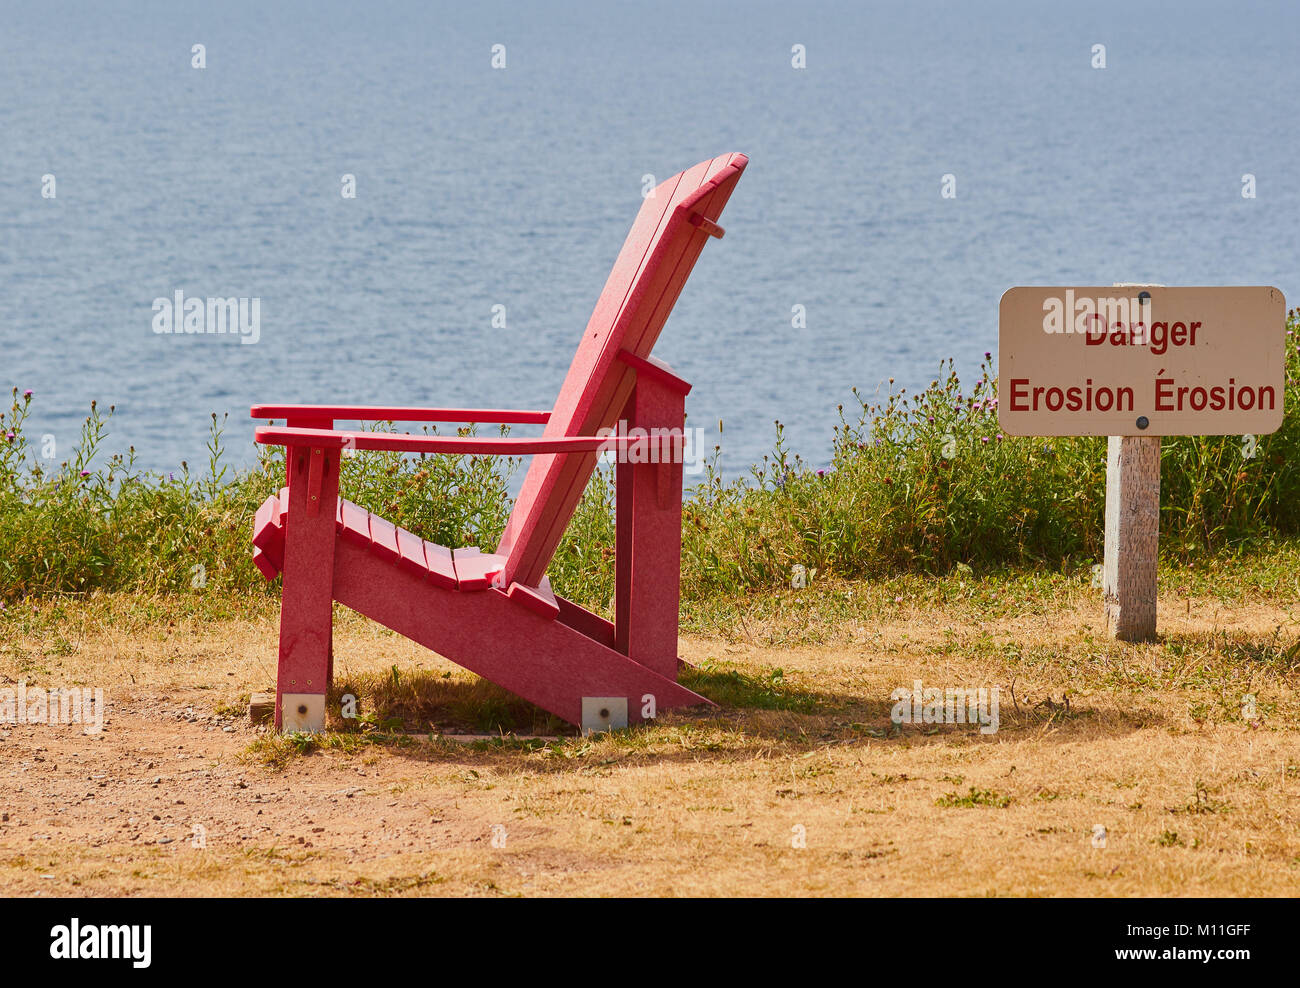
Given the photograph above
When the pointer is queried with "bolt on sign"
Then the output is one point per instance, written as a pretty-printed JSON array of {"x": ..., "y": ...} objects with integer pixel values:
[{"x": 1141, "y": 361}]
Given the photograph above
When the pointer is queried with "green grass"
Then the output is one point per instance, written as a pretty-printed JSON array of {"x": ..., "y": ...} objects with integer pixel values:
[
  {"x": 917, "y": 485},
  {"x": 976, "y": 797}
]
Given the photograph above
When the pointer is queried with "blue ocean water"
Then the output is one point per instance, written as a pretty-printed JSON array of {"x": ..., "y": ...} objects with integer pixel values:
[{"x": 480, "y": 187}]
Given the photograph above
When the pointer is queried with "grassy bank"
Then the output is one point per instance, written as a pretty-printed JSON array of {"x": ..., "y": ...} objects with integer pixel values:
[
  {"x": 917, "y": 484},
  {"x": 935, "y": 550}
]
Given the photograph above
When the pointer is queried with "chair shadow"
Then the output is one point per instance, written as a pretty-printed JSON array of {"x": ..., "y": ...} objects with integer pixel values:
[{"x": 406, "y": 715}]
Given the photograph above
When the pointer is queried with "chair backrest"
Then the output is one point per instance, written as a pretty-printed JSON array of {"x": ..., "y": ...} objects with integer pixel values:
[{"x": 656, "y": 259}]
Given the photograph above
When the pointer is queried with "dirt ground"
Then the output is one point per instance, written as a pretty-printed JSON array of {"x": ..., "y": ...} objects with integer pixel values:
[{"x": 1154, "y": 781}]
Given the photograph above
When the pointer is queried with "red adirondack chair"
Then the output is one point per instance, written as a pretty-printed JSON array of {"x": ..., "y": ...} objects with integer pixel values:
[{"x": 495, "y": 613}]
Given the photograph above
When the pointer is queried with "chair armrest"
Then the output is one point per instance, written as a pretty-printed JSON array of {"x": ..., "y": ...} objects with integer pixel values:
[
  {"x": 387, "y": 413},
  {"x": 472, "y": 445}
]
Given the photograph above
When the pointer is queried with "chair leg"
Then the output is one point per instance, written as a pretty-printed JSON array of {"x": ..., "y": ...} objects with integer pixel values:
[
  {"x": 648, "y": 521},
  {"x": 307, "y": 596}
]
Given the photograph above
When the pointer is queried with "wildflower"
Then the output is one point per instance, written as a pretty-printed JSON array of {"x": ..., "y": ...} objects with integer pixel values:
[
  {"x": 984, "y": 439},
  {"x": 85, "y": 473},
  {"x": 999, "y": 437},
  {"x": 27, "y": 393},
  {"x": 987, "y": 355},
  {"x": 898, "y": 599},
  {"x": 821, "y": 473},
  {"x": 9, "y": 436}
]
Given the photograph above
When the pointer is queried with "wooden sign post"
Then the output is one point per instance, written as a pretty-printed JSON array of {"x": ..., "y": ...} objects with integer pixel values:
[
  {"x": 1131, "y": 553},
  {"x": 1128, "y": 574},
  {"x": 1134, "y": 363}
]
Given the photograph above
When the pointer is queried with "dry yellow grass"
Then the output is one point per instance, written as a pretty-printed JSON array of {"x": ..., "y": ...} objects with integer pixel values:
[{"x": 1194, "y": 798}]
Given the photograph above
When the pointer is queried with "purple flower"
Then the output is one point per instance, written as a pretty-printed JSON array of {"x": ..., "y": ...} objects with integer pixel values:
[
  {"x": 27, "y": 393},
  {"x": 821, "y": 473},
  {"x": 987, "y": 355},
  {"x": 999, "y": 437},
  {"x": 85, "y": 473},
  {"x": 9, "y": 436},
  {"x": 984, "y": 439}
]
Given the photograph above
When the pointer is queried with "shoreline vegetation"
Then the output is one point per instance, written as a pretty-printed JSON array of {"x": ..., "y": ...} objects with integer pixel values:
[{"x": 917, "y": 486}]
